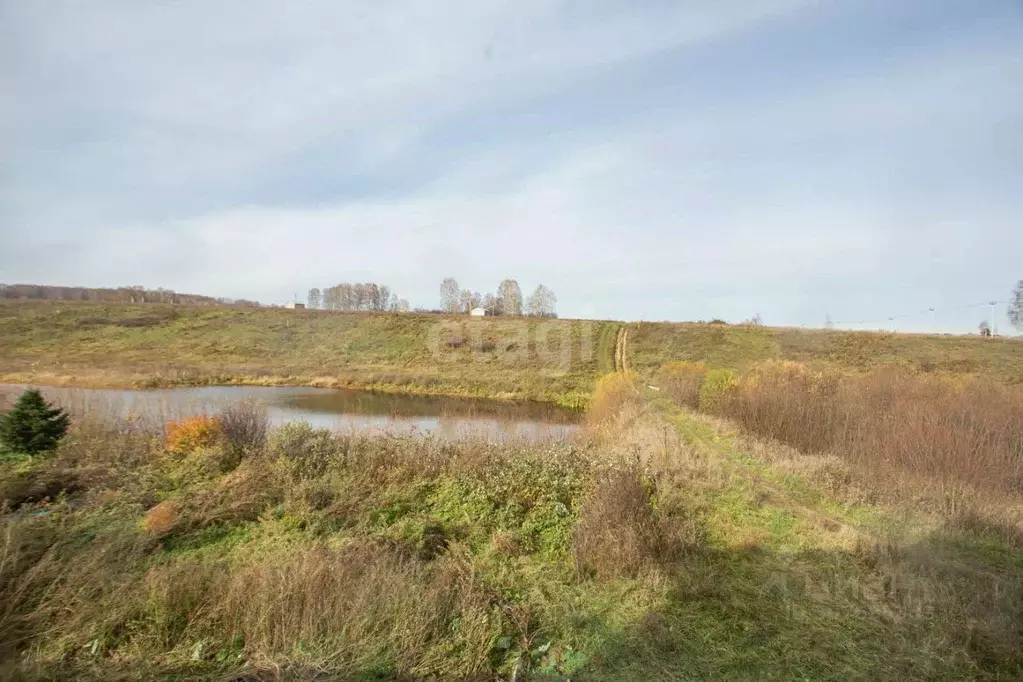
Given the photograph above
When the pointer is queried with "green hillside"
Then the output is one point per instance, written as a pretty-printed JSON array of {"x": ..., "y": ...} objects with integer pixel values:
[
  {"x": 165, "y": 345},
  {"x": 738, "y": 347}
]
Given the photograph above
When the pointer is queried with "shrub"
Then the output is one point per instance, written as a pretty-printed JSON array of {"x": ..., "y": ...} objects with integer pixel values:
[
  {"x": 33, "y": 427},
  {"x": 192, "y": 433},
  {"x": 37, "y": 485},
  {"x": 716, "y": 387},
  {"x": 889, "y": 421},
  {"x": 244, "y": 425},
  {"x": 162, "y": 518},
  {"x": 612, "y": 393},
  {"x": 787, "y": 401},
  {"x": 682, "y": 382},
  {"x": 305, "y": 451},
  {"x": 619, "y": 533}
]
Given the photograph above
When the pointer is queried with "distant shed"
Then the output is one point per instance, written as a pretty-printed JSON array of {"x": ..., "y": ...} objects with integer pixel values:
[
  {"x": 294, "y": 306},
  {"x": 479, "y": 312}
]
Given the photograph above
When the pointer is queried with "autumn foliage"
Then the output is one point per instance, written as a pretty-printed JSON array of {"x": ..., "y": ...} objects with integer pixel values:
[{"x": 192, "y": 433}]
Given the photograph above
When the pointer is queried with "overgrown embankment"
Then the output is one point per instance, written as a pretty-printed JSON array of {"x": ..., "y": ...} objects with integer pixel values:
[
  {"x": 657, "y": 546},
  {"x": 955, "y": 437},
  {"x": 117, "y": 345}
]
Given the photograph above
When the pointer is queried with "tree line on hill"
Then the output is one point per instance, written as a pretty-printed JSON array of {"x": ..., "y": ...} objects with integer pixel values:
[
  {"x": 357, "y": 296},
  {"x": 507, "y": 301},
  {"x": 127, "y": 294}
]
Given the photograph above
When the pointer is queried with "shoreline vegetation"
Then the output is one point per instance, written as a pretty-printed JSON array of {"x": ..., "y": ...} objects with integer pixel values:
[{"x": 666, "y": 541}]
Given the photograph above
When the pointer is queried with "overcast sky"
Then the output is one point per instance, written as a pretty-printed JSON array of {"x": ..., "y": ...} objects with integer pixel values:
[{"x": 646, "y": 159}]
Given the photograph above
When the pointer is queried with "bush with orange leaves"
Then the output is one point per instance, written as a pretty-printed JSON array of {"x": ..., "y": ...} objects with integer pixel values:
[{"x": 192, "y": 433}]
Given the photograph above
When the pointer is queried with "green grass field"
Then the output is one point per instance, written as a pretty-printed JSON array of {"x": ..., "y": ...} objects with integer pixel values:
[
  {"x": 161, "y": 345},
  {"x": 735, "y": 347}
]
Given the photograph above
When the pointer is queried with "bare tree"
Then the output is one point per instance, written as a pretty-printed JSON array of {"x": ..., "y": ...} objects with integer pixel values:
[
  {"x": 315, "y": 298},
  {"x": 468, "y": 299},
  {"x": 755, "y": 321},
  {"x": 360, "y": 296},
  {"x": 510, "y": 296},
  {"x": 345, "y": 296},
  {"x": 493, "y": 304},
  {"x": 449, "y": 295},
  {"x": 383, "y": 297},
  {"x": 331, "y": 298},
  {"x": 399, "y": 305},
  {"x": 1016, "y": 306},
  {"x": 542, "y": 303}
]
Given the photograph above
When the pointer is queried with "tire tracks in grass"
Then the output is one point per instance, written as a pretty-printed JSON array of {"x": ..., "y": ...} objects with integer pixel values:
[{"x": 621, "y": 361}]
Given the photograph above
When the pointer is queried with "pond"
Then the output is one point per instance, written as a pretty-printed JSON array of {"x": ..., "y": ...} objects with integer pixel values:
[{"x": 336, "y": 409}]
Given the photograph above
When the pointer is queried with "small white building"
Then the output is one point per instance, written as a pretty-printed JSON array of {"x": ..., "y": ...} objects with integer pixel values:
[
  {"x": 479, "y": 312},
  {"x": 293, "y": 305}
]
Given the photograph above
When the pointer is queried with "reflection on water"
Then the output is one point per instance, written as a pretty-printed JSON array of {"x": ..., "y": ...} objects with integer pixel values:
[{"x": 333, "y": 408}]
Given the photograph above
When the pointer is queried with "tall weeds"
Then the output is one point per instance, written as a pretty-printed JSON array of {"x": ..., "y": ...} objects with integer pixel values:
[
  {"x": 890, "y": 422},
  {"x": 682, "y": 382}
]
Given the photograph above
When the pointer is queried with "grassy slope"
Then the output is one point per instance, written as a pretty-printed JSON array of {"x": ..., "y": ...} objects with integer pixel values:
[
  {"x": 88, "y": 343},
  {"x": 785, "y": 583},
  {"x": 738, "y": 347},
  {"x": 806, "y": 585},
  {"x": 152, "y": 345}
]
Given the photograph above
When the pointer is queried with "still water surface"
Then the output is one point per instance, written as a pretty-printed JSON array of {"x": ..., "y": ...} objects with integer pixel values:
[{"x": 333, "y": 408}]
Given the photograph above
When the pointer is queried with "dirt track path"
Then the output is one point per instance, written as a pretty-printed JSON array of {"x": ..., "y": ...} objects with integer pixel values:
[{"x": 621, "y": 363}]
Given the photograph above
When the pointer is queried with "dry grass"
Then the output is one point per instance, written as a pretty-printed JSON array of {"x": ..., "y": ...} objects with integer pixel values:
[
  {"x": 634, "y": 555},
  {"x": 357, "y": 606},
  {"x": 163, "y": 518},
  {"x": 741, "y": 347},
  {"x": 613, "y": 395},
  {"x": 619, "y": 533},
  {"x": 898, "y": 424},
  {"x": 681, "y": 381}
]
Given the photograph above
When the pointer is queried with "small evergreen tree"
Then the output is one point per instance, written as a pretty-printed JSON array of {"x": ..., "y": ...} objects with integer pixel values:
[{"x": 32, "y": 426}]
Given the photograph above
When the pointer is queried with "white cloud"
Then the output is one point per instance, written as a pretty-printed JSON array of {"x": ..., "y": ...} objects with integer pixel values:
[{"x": 257, "y": 149}]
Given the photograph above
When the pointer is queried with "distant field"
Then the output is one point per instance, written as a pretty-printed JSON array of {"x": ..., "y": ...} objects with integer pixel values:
[
  {"x": 108, "y": 344},
  {"x": 739, "y": 347},
  {"x": 165, "y": 345}
]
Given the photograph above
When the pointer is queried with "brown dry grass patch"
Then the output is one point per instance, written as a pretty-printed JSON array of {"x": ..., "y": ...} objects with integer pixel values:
[
  {"x": 619, "y": 534},
  {"x": 899, "y": 425}
]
